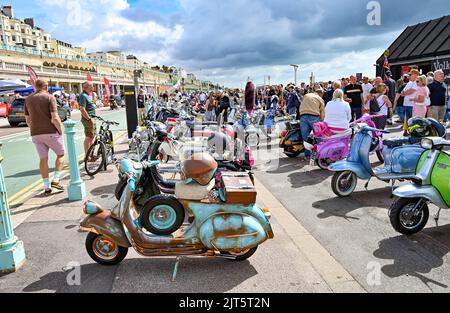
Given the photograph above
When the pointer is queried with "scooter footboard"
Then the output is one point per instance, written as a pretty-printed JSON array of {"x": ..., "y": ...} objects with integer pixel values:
[
  {"x": 417, "y": 191},
  {"x": 232, "y": 231},
  {"x": 105, "y": 225}
]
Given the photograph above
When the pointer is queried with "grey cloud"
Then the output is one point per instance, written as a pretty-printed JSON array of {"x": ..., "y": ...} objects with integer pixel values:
[{"x": 277, "y": 32}]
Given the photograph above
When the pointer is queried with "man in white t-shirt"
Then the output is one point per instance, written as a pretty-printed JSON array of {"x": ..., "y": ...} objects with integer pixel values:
[
  {"x": 410, "y": 93},
  {"x": 367, "y": 87}
]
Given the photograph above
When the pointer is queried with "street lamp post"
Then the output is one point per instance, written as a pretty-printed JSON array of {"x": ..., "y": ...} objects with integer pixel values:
[
  {"x": 12, "y": 253},
  {"x": 295, "y": 66}
]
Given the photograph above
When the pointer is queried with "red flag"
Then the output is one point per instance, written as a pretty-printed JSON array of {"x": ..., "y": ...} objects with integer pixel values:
[
  {"x": 108, "y": 91},
  {"x": 89, "y": 77},
  {"x": 33, "y": 77}
]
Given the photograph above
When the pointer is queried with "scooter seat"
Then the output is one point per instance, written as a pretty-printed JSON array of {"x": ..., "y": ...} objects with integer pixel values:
[{"x": 395, "y": 142}]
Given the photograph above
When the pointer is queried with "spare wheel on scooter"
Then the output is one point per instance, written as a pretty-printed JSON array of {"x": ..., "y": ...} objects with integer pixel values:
[{"x": 162, "y": 215}]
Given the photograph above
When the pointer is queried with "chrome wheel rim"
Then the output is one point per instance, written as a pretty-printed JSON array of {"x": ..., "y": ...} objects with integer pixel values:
[
  {"x": 162, "y": 217},
  {"x": 408, "y": 218},
  {"x": 105, "y": 248}
]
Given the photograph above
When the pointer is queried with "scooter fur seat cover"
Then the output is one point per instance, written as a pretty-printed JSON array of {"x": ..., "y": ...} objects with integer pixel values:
[{"x": 191, "y": 190}]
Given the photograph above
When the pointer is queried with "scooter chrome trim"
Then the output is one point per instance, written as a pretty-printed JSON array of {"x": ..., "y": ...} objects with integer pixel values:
[
  {"x": 417, "y": 191},
  {"x": 424, "y": 175}
]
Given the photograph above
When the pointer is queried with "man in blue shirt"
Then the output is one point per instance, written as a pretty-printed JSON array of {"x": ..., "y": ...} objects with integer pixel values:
[
  {"x": 87, "y": 109},
  {"x": 293, "y": 100},
  {"x": 438, "y": 106}
]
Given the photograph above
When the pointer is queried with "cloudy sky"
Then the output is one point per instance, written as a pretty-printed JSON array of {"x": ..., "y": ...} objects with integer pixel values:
[{"x": 227, "y": 41}]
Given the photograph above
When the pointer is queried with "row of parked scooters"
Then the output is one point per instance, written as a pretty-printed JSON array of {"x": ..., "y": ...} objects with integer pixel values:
[
  {"x": 419, "y": 158},
  {"x": 210, "y": 209},
  {"x": 201, "y": 204}
]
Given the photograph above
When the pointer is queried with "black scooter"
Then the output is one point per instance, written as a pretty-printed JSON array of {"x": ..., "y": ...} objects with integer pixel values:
[{"x": 291, "y": 140}]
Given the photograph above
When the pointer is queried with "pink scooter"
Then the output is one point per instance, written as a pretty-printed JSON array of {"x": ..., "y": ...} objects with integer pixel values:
[{"x": 328, "y": 147}]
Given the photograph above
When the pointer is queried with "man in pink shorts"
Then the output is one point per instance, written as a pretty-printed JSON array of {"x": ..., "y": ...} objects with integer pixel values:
[{"x": 42, "y": 117}]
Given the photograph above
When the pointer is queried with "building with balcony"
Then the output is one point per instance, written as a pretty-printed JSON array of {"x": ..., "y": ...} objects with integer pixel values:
[
  {"x": 107, "y": 57},
  {"x": 63, "y": 48},
  {"x": 133, "y": 61},
  {"x": 14, "y": 32}
]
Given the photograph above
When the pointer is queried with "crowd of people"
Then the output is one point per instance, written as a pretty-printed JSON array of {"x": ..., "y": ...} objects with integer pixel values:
[{"x": 215, "y": 103}]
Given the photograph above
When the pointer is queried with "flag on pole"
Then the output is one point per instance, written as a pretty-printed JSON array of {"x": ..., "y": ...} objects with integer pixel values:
[
  {"x": 89, "y": 77},
  {"x": 108, "y": 90},
  {"x": 33, "y": 76}
]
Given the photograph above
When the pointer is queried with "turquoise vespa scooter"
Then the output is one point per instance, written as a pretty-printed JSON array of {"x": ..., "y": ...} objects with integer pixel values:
[{"x": 216, "y": 225}]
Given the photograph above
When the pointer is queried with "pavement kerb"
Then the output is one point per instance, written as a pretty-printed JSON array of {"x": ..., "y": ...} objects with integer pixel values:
[{"x": 333, "y": 273}]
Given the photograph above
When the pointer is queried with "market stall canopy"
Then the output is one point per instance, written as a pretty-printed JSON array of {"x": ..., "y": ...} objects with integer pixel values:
[
  {"x": 30, "y": 90},
  {"x": 11, "y": 85}
]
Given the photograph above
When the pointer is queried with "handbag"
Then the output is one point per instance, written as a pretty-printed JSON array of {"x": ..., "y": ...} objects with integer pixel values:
[{"x": 375, "y": 107}]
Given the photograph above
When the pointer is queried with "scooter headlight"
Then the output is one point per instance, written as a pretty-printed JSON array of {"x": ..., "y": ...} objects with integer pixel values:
[{"x": 427, "y": 144}]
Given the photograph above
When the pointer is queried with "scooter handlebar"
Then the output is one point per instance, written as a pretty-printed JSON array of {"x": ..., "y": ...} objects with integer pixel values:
[
  {"x": 131, "y": 183},
  {"x": 371, "y": 129},
  {"x": 150, "y": 163}
]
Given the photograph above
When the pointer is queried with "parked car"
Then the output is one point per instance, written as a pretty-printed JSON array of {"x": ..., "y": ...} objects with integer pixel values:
[
  {"x": 4, "y": 109},
  {"x": 17, "y": 113}
]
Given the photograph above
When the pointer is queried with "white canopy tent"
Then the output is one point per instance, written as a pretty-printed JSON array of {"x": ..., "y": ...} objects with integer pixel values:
[{"x": 8, "y": 86}]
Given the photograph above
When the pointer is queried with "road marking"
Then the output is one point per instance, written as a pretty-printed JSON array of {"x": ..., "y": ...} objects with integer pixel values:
[
  {"x": 331, "y": 271},
  {"x": 28, "y": 191},
  {"x": 7, "y": 137}
]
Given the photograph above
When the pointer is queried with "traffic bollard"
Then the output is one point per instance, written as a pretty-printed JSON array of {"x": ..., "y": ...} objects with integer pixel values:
[
  {"x": 12, "y": 252},
  {"x": 77, "y": 188}
]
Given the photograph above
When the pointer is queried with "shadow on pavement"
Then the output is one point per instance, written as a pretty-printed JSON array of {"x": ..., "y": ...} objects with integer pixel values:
[
  {"x": 149, "y": 275},
  {"x": 416, "y": 255},
  {"x": 29, "y": 173},
  {"x": 287, "y": 165},
  {"x": 94, "y": 278},
  {"x": 341, "y": 207},
  {"x": 104, "y": 190},
  {"x": 309, "y": 178}
]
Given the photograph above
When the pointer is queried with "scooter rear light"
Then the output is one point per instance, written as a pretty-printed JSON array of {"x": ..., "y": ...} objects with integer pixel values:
[
  {"x": 267, "y": 213},
  {"x": 283, "y": 133}
]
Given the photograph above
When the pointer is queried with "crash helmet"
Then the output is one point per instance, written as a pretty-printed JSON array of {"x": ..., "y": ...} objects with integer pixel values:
[
  {"x": 425, "y": 127},
  {"x": 219, "y": 143},
  {"x": 200, "y": 167}
]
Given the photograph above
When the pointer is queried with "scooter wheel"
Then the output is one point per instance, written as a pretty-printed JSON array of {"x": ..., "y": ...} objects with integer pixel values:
[
  {"x": 104, "y": 251},
  {"x": 403, "y": 218},
  {"x": 380, "y": 156},
  {"x": 344, "y": 183},
  {"x": 252, "y": 139},
  {"x": 120, "y": 187},
  {"x": 290, "y": 152},
  {"x": 240, "y": 256},
  {"x": 323, "y": 164},
  {"x": 162, "y": 215}
]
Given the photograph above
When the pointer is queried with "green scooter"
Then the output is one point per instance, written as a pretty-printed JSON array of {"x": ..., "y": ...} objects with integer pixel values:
[{"x": 409, "y": 213}]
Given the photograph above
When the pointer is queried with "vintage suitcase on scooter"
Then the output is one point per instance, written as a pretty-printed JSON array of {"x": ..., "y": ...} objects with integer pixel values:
[{"x": 238, "y": 188}]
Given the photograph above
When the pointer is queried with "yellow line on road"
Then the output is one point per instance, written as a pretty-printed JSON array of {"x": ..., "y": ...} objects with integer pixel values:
[{"x": 34, "y": 187}]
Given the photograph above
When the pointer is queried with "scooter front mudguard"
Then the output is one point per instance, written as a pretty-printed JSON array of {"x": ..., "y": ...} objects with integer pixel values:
[
  {"x": 231, "y": 232},
  {"x": 104, "y": 224},
  {"x": 417, "y": 191},
  {"x": 358, "y": 169}
]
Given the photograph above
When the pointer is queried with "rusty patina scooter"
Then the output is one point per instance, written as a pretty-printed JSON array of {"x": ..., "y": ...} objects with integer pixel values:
[{"x": 214, "y": 228}]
